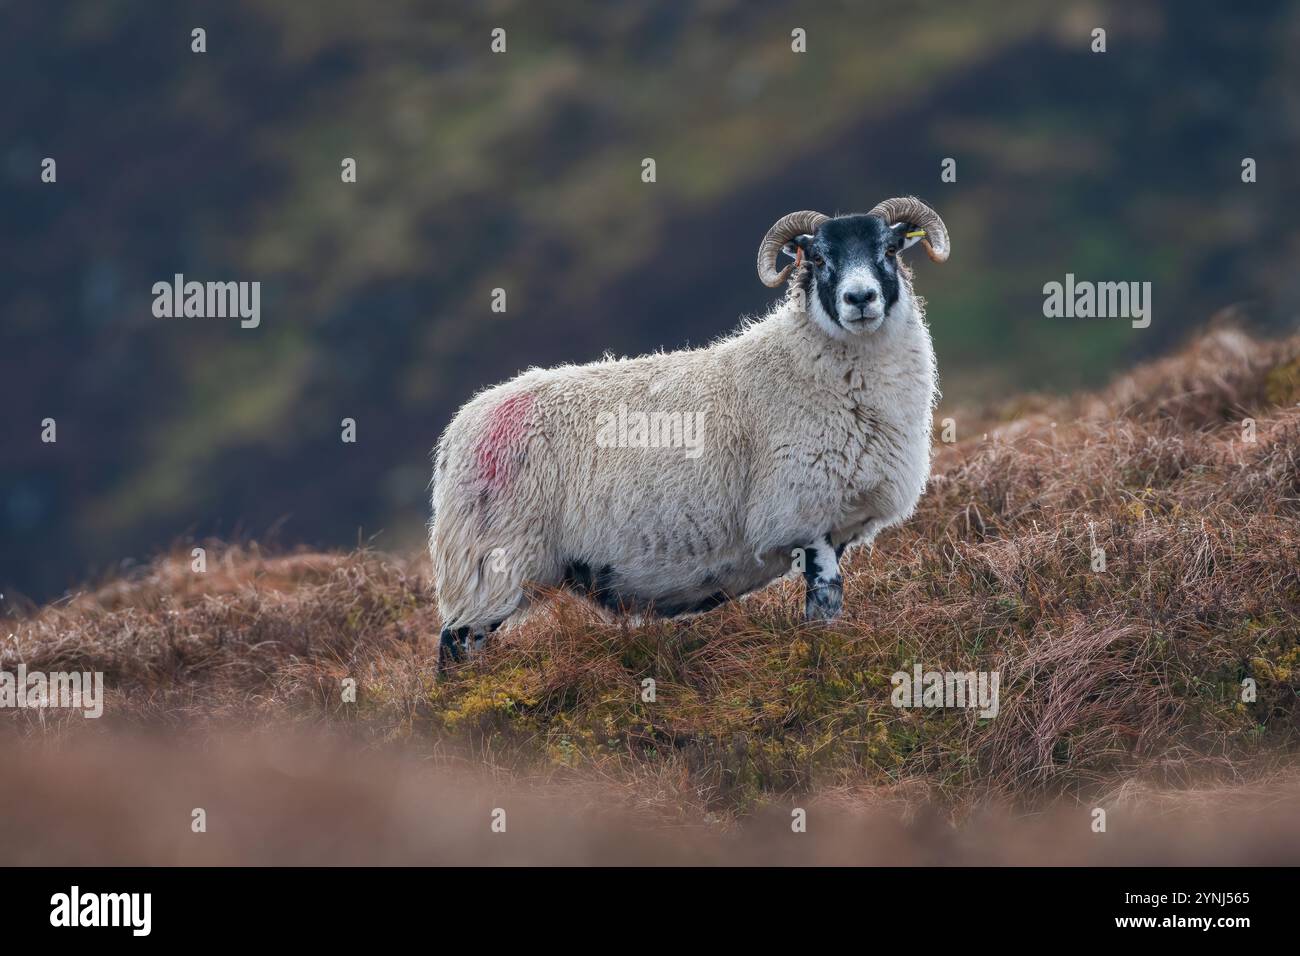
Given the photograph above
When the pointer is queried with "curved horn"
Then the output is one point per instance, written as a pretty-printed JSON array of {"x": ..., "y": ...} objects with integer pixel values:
[
  {"x": 782, "y": 231},
  {"x": 911, "y": 210}
]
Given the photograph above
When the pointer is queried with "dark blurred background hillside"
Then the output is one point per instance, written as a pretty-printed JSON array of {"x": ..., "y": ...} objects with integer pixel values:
[{"x": 523, "y": 171}]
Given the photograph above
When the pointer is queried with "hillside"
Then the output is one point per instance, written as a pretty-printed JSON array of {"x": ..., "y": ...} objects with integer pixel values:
[
  {"x": 1115, "y": 683},
  {"x": 522, "y": 171}
]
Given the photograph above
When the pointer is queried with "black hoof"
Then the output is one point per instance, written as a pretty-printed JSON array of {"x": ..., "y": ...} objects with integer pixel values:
[{"x": 823, "y": 603}]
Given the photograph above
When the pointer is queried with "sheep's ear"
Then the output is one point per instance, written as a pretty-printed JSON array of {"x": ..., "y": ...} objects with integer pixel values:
[
  {"x": 908, "y": 234},
  {"x": 798, "y": 242}
]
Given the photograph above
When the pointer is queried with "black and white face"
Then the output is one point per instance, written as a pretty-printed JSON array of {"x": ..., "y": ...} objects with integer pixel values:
[{"x": 855, "y": 278}]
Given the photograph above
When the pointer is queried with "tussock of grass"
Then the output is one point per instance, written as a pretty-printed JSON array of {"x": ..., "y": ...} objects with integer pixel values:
[{"x": 1111, "y": 681}]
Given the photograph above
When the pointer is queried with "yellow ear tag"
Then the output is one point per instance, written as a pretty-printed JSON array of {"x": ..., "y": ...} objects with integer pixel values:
[{"x": 914, "y": 235}]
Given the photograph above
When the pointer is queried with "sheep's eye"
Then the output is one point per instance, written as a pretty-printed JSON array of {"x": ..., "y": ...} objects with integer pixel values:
[
  {"x": 818, "y": 261},
  {"x": 891, "y": 252}
]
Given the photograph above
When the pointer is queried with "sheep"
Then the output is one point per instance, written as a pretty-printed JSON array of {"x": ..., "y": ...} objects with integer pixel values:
[{"x": 809, "y": 433}]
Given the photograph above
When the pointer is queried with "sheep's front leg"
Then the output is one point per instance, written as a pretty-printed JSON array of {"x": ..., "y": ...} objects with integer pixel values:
[{"x": 824, "y": 587}]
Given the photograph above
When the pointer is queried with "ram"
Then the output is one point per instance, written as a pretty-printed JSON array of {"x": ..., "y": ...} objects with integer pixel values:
[{"x": 671, "y": 483}]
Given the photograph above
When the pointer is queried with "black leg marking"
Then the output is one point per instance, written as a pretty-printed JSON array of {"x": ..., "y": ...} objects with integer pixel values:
[
  {"x": 480, "y": 638},
  {"x": 824, "y": 587},
  {"x": 578, "y": 577},
  {"x": 451, "y": 646},
  {"x": 597, "y": 586},
  {"x": 459, "y": 644},
  {"x": 603, "y": 593}
]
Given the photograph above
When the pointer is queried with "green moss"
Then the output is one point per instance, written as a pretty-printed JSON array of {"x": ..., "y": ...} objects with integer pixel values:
[
  {"x": 494, "y": 701},
  {"x": 1282, "y": 383}
]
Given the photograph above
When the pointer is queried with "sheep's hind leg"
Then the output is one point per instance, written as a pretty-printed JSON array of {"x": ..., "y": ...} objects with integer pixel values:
[
  {"x": 824, "y": 587},
  {"x": 452, "y": 646},
  {"x": 479, "y": 639},
  {"x": 459, "y": 643}
]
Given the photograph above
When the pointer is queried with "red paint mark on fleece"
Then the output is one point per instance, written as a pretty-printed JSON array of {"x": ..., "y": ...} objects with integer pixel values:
[{"x": 499, "y": 443}]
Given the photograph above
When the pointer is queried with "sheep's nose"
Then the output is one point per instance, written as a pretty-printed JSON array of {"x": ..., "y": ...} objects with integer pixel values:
[{"x": 860, "y": 297}]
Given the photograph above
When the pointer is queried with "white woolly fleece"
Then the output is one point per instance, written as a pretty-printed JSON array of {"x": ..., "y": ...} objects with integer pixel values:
[{"x": 803, "y": 435}]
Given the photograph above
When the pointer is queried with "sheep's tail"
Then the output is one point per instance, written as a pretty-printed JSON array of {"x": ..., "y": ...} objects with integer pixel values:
[
  {"x": 485, "y": 538},
  {"x": 472, "y": 591}
]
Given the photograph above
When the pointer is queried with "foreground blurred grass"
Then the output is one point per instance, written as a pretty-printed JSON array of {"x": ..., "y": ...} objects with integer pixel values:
[{"x": 1131, "y": 677}]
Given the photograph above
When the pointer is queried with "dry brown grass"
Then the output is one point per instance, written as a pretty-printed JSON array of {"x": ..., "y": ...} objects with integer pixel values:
[{"x": 1113, "y": 684}]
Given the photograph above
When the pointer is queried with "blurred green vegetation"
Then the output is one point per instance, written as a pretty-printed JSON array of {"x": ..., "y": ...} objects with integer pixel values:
[{"x": 522, "y": 171}]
